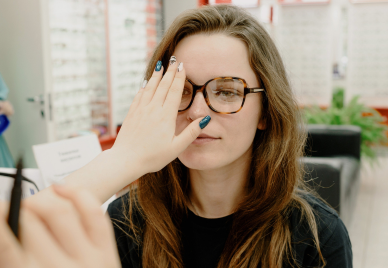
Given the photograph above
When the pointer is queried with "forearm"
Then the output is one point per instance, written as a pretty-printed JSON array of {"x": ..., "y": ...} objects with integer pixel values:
[{"x": 105, "y": 175}]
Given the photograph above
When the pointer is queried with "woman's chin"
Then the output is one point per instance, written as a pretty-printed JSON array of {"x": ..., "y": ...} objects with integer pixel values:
[{"x": 197, "y": 161}]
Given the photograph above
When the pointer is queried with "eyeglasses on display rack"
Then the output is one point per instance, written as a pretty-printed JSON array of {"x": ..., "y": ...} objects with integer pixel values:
[{"x": 224, "y": 95}]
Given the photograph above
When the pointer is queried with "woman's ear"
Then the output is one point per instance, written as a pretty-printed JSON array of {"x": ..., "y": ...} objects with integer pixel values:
[{"x": 262, "y": 125}]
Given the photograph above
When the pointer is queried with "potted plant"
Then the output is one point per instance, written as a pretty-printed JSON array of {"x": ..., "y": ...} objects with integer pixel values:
[{"x": 373, "y": 131}]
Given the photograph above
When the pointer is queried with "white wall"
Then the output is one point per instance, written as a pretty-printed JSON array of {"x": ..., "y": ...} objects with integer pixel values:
[
  {"x": 22, "y": 67},
  {"x": 172, "y": 8}
]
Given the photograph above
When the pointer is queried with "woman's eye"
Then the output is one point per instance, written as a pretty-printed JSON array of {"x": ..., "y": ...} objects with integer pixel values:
[
  {"x": 186, "y": 92},
  {"x": 225, "y": 93}
]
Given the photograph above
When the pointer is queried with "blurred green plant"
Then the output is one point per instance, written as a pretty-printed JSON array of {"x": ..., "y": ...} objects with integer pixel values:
[{"x": 373, "y": 132}]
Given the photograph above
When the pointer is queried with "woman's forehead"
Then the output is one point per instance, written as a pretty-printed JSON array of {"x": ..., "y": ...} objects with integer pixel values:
[{"x": 208, "y": 56}]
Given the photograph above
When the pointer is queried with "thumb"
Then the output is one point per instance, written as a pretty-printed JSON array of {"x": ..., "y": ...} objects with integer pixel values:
[{"x": 190, "y": 133}]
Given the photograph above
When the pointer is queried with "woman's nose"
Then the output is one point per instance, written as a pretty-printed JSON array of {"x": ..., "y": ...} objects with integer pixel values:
[{"x": 199, "y": 107}]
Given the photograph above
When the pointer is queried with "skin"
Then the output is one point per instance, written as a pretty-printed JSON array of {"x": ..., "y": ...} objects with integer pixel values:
[
  {"x": 218, "y": 170},
  {"x": 66, "y": 229},
  {"x": 6, "y": 108}
]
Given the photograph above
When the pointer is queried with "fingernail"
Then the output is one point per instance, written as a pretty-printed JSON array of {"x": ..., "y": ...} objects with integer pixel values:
[
  {"x": 158, "y": 66},
  {"x": 180, "y": 67},
  {"x": 204, "y": 122},
  {"x": 144, "y": 84},
  {"x": 172, "y": 60}
]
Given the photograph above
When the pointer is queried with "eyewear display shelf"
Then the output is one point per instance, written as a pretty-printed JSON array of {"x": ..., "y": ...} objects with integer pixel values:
[
  {"x": 78, "y": 62},
  {"x": 367, "y": 74}
]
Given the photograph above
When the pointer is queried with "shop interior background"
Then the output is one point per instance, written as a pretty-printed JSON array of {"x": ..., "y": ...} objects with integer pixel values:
[{"x": 74, "y": 66}]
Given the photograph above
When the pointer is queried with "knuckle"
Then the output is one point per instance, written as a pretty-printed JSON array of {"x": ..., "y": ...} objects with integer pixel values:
[
  {"x": 164, "y": 84},
  {"x": 172, "y": 70}
]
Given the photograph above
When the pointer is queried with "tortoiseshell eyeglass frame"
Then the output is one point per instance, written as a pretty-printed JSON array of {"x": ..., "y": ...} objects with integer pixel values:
[{"x": 203, "y": 87}]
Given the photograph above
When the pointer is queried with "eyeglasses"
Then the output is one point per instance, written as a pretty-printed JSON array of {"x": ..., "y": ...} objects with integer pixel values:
[{"x": 224, "y": 95}]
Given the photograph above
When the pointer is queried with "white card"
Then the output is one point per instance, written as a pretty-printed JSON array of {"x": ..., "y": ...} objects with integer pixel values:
[
  {"x": 58, "y": 159},
  {"x": 28, "y": 189}
]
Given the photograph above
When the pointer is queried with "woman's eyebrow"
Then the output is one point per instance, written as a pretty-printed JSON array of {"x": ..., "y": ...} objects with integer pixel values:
[{"x": 212, "y": 77}]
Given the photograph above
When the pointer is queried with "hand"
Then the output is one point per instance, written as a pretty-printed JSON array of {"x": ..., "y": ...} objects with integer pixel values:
[
  {"x": 6, "y": 108},
  {"x": 146, "y": 142},
  {"x": 147, "y": 135},
  {"x": 66, "y": 229}
]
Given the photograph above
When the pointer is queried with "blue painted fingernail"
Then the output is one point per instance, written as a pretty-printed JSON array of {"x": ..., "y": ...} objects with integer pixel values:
[
  {"x": 158, "y": 66},
  {"x": 204, "y": 122}
]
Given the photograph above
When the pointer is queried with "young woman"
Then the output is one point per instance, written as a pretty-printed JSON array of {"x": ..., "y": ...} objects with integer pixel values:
[
  {"x": 232, "y": 193},
  {"x": 235, "y": 197}
]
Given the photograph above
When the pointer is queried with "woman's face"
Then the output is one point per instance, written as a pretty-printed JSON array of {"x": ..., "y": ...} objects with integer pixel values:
[{"x": 206, "y": 57}]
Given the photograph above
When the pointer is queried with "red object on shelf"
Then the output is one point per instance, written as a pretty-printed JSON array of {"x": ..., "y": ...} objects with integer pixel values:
[
  {"x": 107, "y": 142},
  {"x": 151, "y": 20},
  {"x": 151, "y": 31},
  {"x": 203, "y": 2},
  {"x": 299, "y": 2},
  {"x": 151, "y": 43},
  {"x": 150, "y": 9},
  {"x": 384, "y": 113}
]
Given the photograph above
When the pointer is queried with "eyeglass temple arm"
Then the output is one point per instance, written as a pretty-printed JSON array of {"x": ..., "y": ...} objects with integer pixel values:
[
  {"x": 23, "y": 178},
  {"x": 255, "y": 90}
]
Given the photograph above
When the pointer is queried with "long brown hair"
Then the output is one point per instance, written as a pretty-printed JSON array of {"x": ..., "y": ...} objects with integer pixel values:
[{"x": 260, "y": 231}]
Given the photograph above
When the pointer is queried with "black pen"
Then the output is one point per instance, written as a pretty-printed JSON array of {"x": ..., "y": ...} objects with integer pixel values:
[{"x": 16, "y": 197}]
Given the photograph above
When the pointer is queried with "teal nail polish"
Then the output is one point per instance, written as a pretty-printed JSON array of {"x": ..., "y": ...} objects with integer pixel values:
[
  {"x": 158, "y": 66},
  {"x": 204, "y": 122}
]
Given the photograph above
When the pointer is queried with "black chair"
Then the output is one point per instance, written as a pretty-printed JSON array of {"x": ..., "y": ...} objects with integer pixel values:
[{"x": 332, "y": 163}]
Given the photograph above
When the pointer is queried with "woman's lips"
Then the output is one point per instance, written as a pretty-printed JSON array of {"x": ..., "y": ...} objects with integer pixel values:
[{"x": 203, "y": 140}]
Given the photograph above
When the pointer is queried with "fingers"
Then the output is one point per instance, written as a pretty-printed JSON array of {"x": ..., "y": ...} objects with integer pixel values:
[
  {"x": 153, "y": 83},
  {"x": 190, "y": 133},
  {"x": 177, "y": 85},
  {"x": 172, "y": 97},
  {"x": 63, "y": 220},
  {"x": 137, "y": 98},
  {"x": 4, "y": 208},
  {"x": 158, "y": 86},
  {"x": 10, "y": 249},
  {"x": 96, "y": 224},
  {"x": 37, "y": 240}
]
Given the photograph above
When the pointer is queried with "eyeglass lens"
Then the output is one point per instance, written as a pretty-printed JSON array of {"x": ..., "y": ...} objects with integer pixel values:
[{"x": 224, "y": 95}]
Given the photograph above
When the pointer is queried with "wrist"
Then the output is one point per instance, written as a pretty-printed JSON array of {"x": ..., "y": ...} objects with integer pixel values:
[
  {"x": 106, "y": 174},
  {"x": 125, "y": 165}
]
